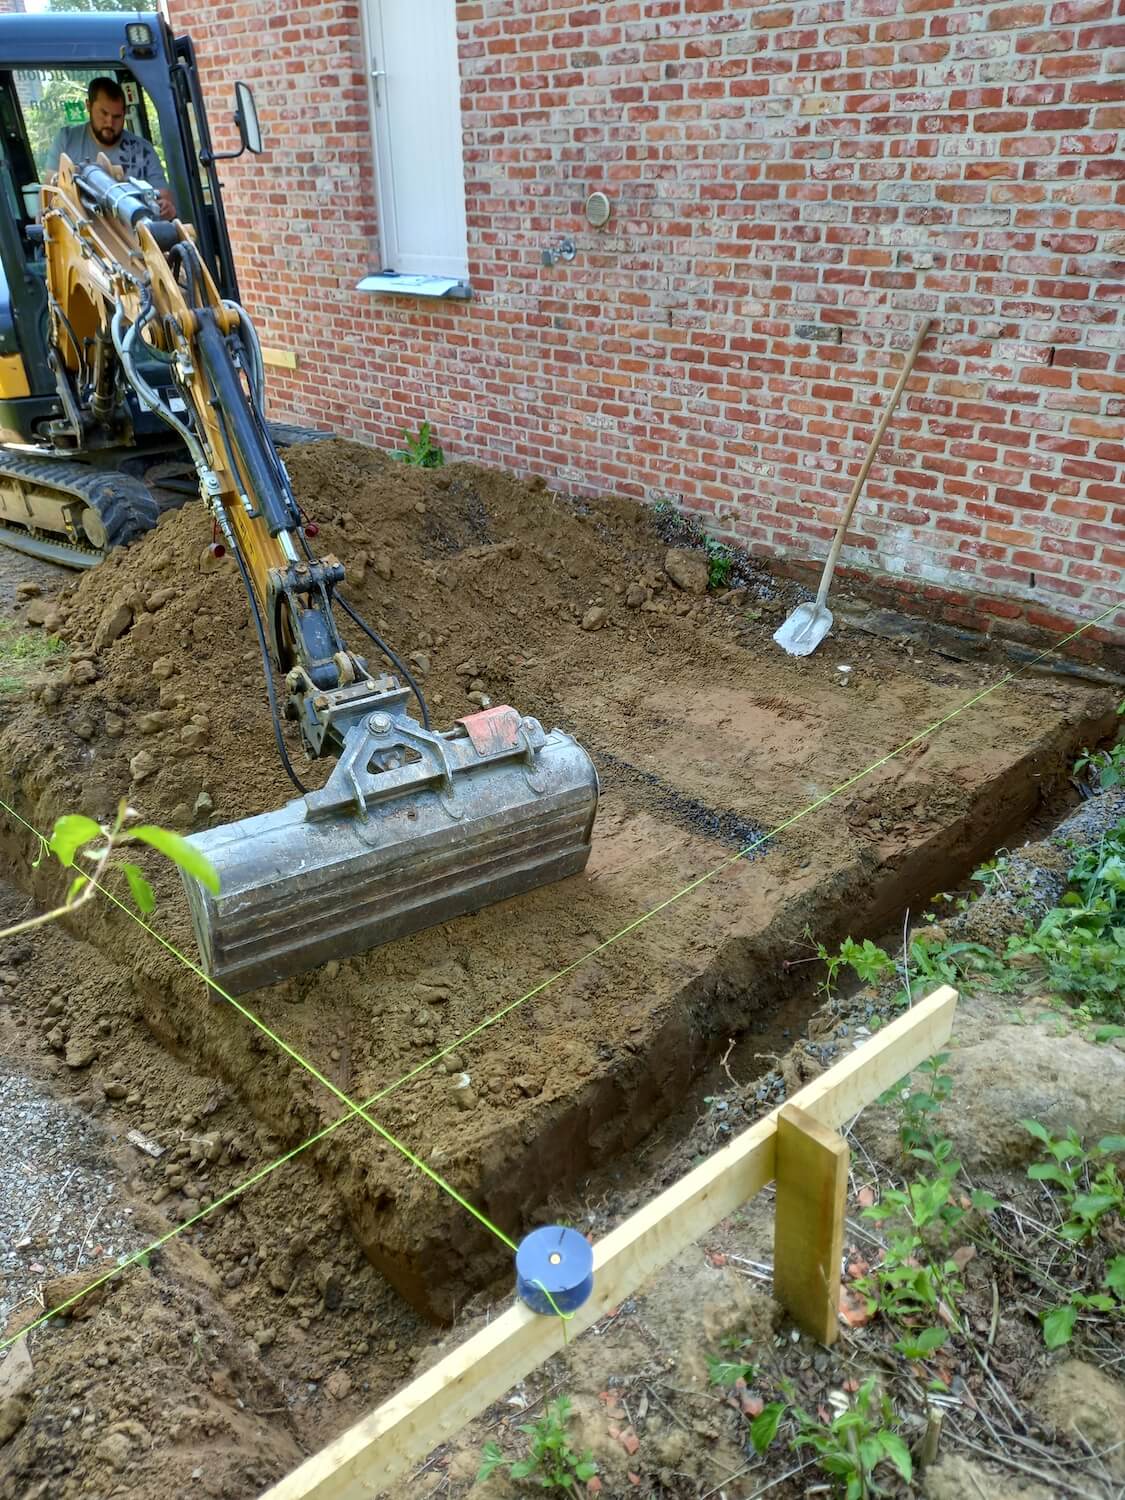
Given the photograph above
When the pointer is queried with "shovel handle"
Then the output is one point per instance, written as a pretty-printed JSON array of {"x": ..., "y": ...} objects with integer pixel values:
[{"x": 857, "y": 487}]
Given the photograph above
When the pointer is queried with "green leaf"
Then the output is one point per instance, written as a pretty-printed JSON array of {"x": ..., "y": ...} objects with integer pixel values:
[
  {"x": 870, "y": 1453},
  {"x": 918, "y": 1346},
  {"x": 491, "y": 1457},
  {"x": 727, "y": 1372},
  {"x": 983, "y": 1201},
  {"x": 1108, "y": 1033},
  {"x": 524, "y": 1468},
  {"x": 1111, "y": 1145},
  {"x": 763, "y": 1429},
  {"x": 69, "y": 834},
  {"x": 181, "y": 853},
  {"x": 1058, "y": 1325},
  {"x": 585, "y": 1470},
  {"x": 1093, "y": 1205},
  {"x": 1045, "y": 1171},
  {"x": 1115, "y": 1276},
  {"x": 75, "y": 886},
  {"x": 837, "y": 1463},
  {"x": 1038, "y": 1131},
  {"x": 1066, "y": 1150},
  {"x": 897, "y": 1451},
  {"x": 139, "y": 888}
]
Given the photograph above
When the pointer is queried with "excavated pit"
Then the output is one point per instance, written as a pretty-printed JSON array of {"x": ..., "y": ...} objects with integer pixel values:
[{"x": 704, "y": 734}]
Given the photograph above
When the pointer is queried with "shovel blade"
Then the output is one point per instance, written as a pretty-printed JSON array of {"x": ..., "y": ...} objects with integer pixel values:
[{"x": 804, "y": 630}]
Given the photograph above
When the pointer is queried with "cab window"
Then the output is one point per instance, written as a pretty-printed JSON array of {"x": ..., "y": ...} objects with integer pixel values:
[{"x": 52, "y": 98}]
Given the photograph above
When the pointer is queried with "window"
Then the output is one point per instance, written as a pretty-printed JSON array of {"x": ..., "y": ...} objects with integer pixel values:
[
  {"x": 52, "y": 98},
  {"x": 416, "y": 113}
]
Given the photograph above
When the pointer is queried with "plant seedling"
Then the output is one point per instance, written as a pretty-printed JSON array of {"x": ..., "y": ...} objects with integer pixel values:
[
  {"x": 421, "y": 451},
  {"x": 551, "y": 1463}
]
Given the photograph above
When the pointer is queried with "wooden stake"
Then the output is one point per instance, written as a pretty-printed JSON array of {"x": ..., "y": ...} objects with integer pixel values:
[
  {"x": 808, "y": 1235},
  {"x": 372, "y": 1456}
]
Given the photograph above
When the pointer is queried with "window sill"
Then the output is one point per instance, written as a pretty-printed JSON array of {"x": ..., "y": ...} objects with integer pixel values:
[{"x": 391, "y": 284}]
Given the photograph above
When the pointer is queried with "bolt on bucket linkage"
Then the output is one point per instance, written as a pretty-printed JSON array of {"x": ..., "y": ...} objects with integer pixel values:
[{"x": 412, "y": 828}]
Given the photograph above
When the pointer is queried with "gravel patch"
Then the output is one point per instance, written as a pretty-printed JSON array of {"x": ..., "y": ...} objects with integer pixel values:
[{"x": 61, "y": 1198}]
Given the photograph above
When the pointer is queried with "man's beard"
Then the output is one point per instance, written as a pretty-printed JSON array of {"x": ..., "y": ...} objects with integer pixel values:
[{"x": 107, "y": 136}]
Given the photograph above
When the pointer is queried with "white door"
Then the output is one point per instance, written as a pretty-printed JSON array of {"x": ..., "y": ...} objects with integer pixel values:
[{"x": 416, "y": 108}]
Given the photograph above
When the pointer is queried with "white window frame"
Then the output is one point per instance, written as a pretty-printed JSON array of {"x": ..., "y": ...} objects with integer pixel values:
[{"x": 452, "y": 278}]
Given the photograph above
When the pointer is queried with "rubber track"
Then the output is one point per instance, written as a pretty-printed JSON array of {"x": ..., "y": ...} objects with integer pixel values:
[{"x": 126, "y": 506}]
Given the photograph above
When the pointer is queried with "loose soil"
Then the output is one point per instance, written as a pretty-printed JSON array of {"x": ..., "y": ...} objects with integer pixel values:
[{"x": 704, "y": 734}]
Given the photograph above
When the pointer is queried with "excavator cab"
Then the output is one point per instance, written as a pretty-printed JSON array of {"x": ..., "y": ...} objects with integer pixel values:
[{"x": 94, "y": 496}]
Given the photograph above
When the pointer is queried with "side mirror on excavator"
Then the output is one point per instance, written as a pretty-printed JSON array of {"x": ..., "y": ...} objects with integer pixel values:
[
  {"x": 249, "y": 131},
  {"x": 246, "y": 118}
]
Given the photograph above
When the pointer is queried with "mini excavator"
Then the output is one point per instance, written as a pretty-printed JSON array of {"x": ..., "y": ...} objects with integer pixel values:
[{"x": 413, "y": 826}]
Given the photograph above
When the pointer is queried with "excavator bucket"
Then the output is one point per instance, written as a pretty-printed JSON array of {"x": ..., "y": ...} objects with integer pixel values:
[{"x": 412, "y": 828}]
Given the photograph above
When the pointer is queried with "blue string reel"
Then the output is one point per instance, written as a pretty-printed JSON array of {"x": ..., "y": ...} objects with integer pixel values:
[{"x": 557, "y": 1261}]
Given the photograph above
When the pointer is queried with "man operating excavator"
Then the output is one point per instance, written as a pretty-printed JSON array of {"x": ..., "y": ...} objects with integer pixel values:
[{"x": 104, "y": 134}]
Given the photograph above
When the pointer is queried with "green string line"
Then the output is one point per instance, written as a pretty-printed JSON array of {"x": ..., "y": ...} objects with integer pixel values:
[
  {"x": 360, "y": 1110},
  {"x": 566, "y": 1317},
  {"x": 244, "y": 1010}
]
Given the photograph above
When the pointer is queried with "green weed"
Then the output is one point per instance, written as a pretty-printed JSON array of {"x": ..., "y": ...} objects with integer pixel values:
[
  {"x": 866, "y": 960},
  {"x": 99, "y": 844},
  {"x": 1059, "y": 1322},
  {"x": 921, "y": 1104},
  {"x": 1088, "y": 1184},
  {"x": 1106, "y": 767},
  {"x": 720, "y": 563},
  {"x": 851, "y": 1447},
  {"x": 421, "y": 451},
  {"x": 22, "y": 653},
  {"x": 551, "y": 1463},
  {"x": 1080, "y": 944},
  {"x": 916, "y": 1276}
]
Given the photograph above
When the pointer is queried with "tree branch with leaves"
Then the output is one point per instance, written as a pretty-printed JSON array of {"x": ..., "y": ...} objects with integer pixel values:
[{"x": 76, "y": 837}]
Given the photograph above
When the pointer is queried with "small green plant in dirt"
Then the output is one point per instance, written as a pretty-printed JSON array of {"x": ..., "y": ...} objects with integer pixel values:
[
  {"x": 923, "y": 1344},
  {"x": 1088, "y": 1183},
  {"x": 921, "y": 1103},
  {"x": 720, "y": 563},
  {"x": 421, "y": 451},
  {"x": 953, "y": 963},
  {"x": 728, "y": 1372},
  {"x": 917, "y": 1276},
  {"x": 76, "y": 837},
  {"x": 22, "y": 653},
  {"x": 1106, "y": 767},
  {"x": 849, "y": 1448},
  {"x": 998, "y": 877},
  {"x": 551, "y": 1463},
  {"x": 1080, "y": 944},
  {"x": 866, "y": 960},
  {"x": 931, "y": 962},
  {"x": 1059, "y": 1322}
]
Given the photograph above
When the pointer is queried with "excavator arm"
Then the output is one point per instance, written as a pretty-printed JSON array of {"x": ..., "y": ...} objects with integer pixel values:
[{"x": 412, "y": 826}]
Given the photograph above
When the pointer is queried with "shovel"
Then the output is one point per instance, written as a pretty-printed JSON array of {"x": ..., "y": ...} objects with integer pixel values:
[{"x": 807, "y": 626}]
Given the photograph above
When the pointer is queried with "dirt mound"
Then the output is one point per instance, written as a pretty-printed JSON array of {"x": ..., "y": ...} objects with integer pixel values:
[
  {"x": 164, "y": 685},
  {"x": 703, "y": 733}
]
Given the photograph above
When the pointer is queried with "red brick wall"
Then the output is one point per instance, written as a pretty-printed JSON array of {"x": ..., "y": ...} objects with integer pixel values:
[{"x": 793, "y": 187}]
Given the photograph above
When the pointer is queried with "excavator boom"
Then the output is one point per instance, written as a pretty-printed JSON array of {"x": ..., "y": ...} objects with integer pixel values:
[{"x": 413, "y": 826}]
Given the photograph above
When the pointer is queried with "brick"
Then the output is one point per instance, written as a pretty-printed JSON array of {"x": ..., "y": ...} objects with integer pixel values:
[
  {"x": 1008, "y": 17},
  {"x": 792, "y": 186},
  {"x": 1007, "y": 120}
]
